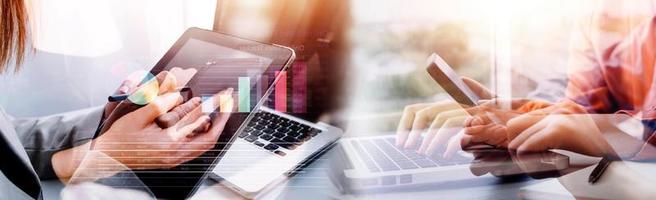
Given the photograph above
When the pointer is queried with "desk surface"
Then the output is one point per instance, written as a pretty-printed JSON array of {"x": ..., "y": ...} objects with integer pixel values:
[{"x": 316, "y": 181}]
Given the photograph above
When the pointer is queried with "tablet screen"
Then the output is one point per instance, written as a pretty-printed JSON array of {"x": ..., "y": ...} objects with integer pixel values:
[
  {"x": 208, "y": 63},
  {"x": 210, "y": 68}
]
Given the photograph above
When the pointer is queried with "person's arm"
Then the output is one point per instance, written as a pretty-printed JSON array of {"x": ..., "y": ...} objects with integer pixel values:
[
  {"x": 586, "y": 84},
  {"x": 44, "y": 136}
]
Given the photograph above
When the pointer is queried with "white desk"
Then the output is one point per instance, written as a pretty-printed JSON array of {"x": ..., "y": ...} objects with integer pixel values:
[{"x": 315, "y": 182}]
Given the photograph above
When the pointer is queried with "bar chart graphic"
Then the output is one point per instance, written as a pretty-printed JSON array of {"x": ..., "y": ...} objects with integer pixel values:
[
  {"x": 280, "y": 101},
  {"x": 244, "y": 94},
  {"x": 299, "y": 87}
]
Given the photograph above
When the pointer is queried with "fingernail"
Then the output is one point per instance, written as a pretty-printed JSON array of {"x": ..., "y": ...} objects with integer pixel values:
[
  {"x": 124, "y": 89},
  {"x": 196, "y": 100}
]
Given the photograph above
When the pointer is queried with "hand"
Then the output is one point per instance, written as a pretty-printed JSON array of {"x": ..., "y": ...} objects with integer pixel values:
[
  {"x": 137, "y": 142},
  {"x": 560, "y": 126},
  {"x": 134, "y": 81},
  {"x": 442, "y": 121},
  {"x": 573, "y": 132},
  {"x": 488, "y": 123}
]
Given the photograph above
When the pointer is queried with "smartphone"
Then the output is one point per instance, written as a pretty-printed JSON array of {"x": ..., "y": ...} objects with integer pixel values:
[{"x": 446, "y": 77}]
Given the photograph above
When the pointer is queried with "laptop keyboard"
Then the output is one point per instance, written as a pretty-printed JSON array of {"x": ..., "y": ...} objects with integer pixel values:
[
  {"x": 380, "y": 154},
  {"x": 276, "y": 133}
]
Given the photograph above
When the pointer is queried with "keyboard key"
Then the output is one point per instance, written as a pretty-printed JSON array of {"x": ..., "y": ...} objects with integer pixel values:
[
  {"x": 291, "y": 140},
  {"x": 256, "y": 133},
  {"x": 258, "y": 143},
  {"x": 285, "y": 124},
  {"x": 379, "y": 157},
  {"x": 296, "y": 127},
  {"x": 271, "y": 147},
  {"x": 283, "y": 144},
  {"x": 280, "y": 153},
  {"x": 252, "y": 123},
  {"x": 283, "y": 130},
  {"x": 407, "y": 165},
  {"x": 249, "y": 129},
  {"x": 268, "y": 131},
  {"x": 293, "y": 134},
  {"x": 274, "y": 126},
  {"x": 243, "y": 134},
  {"x": 251, "y": 138},
  {"x": 368, "y": 161},
  {"x": 424, "y": 163},
  {"x": 314, "y": 132},
  {"x": 393, "y": 153},
  {"x": 259, "y": 127},
  {"x": 266, "y": 137},
  {"x": 278, "y": 135}
]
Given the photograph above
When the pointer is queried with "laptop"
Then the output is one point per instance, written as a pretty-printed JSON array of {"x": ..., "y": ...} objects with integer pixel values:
[
  {"x": 376, "y": 163},
  {"x": 272, "y": 146}
]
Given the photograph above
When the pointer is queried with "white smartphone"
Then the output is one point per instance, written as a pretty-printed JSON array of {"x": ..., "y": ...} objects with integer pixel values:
[
  {"x": 444, "y": 75},
  {"x": 447, "y": 78}
]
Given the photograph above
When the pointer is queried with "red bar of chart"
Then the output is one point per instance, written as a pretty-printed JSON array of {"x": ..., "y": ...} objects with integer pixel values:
[
  {"x": 281, "y": 92},
  {"x": 299, "y": 87}
]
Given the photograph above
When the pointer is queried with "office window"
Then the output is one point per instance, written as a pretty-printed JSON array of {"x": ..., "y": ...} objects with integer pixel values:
[{"x": 512, "y": 46}]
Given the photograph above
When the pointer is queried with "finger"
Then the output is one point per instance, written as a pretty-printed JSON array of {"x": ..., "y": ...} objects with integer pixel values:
[
  {"x": 440, "y": 126},
  {"x": 480, "y": 111},
  {"x": 471, "y": 121},
  {"x": 126, "y": 87},
  {"x": 454, "y": 144},
  {"x": 184, "y": 131},
  {"x": 406, "y": 121},
  {"x": 183, "y": 76},
  {"x": 167, "y": 82},
  {"x": 161, "y": 105},
  {"x": 203, "y": 128},
  {"x": 218, "y": 122},
  {"x": 524, "y": 135},
  {"x": 536, "y": 142},
  {"x": 209, "y": 139},
  {"x": 222, "y": 100},
  {"x": 436, "y": 115},
  {"x": 442, "y": 136},
  {"x": 493, "y": 134},
  {"x": 195, "y": 110},
  {"x": 179, "y": 112},
  {"x": 420, "y": 123},
  {"x": 478, "y": 88},
  {"x": 523, "y": 123}
]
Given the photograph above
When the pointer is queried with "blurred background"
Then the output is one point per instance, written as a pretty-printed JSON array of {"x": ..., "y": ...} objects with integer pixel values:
[{"x": 370, "y": 52}]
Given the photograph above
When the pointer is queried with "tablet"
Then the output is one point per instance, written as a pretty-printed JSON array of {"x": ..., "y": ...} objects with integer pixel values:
[{"x": 217, "y": 62}]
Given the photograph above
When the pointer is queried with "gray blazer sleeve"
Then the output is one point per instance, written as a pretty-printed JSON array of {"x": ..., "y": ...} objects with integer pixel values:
[{"x": 44, "y": 136}]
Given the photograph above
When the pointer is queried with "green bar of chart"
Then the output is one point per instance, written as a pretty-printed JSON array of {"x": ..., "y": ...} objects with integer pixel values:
[{"x": 244, "y": 94}]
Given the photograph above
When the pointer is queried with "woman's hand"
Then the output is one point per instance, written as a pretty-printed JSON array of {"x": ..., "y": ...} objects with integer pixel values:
[
  {"x": 136, "y": 141},
  {"x": 488, "y": 123},
  {"x": 573, "y": 132},
  {"x": 439, "y": 121},
  {"x": 561, "y": 126}
]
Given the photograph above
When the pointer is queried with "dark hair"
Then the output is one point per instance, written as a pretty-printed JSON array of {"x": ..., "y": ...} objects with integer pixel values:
[{"x": 13, "y": 33}]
